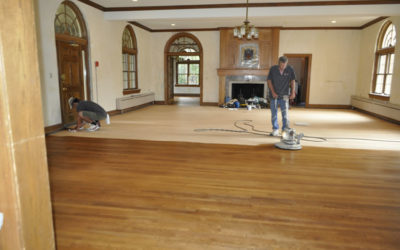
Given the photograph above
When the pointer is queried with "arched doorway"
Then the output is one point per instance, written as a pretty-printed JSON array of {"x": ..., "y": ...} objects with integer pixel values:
[
  {"x": 72, "y": 57},
  {"x": 183, "y": 66}
]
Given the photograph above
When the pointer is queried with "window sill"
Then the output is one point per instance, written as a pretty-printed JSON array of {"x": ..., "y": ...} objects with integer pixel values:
[
  {"x": 131, "y": 91},
  {"x": 379, "y": 97},
  {"x": 193, "y": 86}
]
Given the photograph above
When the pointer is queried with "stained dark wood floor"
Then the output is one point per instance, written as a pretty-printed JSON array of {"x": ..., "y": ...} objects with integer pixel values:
[{"x": 128, "y": 194}]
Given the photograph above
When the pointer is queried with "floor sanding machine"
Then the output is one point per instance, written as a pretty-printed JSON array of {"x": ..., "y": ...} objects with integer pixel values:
[{"x": 290, "y": 140}]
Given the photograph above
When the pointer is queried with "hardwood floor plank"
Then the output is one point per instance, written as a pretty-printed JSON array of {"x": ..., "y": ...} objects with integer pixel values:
[{"x": 131, "y": 194}]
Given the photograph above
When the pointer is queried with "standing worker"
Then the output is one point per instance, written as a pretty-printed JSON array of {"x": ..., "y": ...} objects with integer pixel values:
[
  {"x": 281, "y": 84},
  {"x": 89, "y": 112}
]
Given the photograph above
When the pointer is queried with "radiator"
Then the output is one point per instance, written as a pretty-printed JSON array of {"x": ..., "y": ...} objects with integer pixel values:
[
  {"x": 134, "y": 100},
  {"x": 378, "y": 107}
]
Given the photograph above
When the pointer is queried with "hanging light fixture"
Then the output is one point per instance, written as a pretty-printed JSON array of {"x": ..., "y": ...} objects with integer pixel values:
[{"x": 246, "y": 30}]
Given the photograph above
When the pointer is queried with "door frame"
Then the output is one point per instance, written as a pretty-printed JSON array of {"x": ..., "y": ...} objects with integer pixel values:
[
  {"x": 167, "y": 54},
  {"x": 83, "y": 45},
  {"x": 308, "y": 80}
]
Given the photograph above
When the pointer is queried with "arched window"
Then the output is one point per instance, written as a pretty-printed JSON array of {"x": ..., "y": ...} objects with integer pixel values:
[
  {"x": 68, "y": 21},
  {"x": 184, "y": 44},
  {"x": 384, "y": 61},
  {"x": 129, "y": 61}
]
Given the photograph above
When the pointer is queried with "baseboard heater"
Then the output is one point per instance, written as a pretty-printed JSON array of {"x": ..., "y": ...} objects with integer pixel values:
[
  {"x": 134, "y": 100},
  {"x": 378, "y": 107}
]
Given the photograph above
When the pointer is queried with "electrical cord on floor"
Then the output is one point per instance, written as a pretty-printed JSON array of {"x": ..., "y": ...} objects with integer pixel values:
[{"x": 267, "y": 133}]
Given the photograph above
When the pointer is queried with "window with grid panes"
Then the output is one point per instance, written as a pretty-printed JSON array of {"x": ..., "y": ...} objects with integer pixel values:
[
  {"x": 384, "y": 61},
  {"x": 129, "y": 59},
  {"x": 188, "y": 71}
]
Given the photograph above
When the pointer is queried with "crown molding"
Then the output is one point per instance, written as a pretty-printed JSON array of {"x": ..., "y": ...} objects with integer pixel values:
[
  {"x": 137, "y": 24},
  {"x": 278, "y": 4},
  {"x": 252, "y": 5}
]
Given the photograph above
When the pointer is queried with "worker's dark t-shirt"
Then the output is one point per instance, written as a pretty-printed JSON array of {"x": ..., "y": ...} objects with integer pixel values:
[
  {"x": 92, "y": 107},
  {"x": 281, "y": 83}
]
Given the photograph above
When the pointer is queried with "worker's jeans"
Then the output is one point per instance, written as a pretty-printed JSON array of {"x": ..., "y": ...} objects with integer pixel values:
[{"x": 282, "y": 102}]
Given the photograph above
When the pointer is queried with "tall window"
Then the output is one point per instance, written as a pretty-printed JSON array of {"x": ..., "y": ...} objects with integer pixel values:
[
  {"x": 384, "y": 61},
  {"x": 129, "y": 61},
  {"x": 188, "y": 70}
]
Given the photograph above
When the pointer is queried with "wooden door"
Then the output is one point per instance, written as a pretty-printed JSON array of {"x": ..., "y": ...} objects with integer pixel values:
[
  {"x": 70, "y": 69},
  {"x": 170, "y": 87}
]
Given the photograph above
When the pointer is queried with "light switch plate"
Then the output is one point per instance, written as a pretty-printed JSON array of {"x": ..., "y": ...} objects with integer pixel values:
[{"x": 1, "y": 220}]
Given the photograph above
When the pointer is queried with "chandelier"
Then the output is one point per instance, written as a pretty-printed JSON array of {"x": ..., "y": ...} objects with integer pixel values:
[{"x": 246, "y": 30}]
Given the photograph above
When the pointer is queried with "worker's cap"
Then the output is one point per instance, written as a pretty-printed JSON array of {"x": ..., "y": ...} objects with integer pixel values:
[{"x": 71, "y": 101}]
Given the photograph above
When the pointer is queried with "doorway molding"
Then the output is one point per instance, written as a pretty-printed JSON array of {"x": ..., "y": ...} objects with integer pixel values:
[
  {"x": 167, "y": 54},
  {"x": 308, "y": 78}
]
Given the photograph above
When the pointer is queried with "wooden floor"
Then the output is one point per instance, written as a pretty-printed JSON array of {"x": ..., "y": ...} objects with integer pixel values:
[
  {"x": 131, "y": 194},
  {"x": 179, "y": 123}
]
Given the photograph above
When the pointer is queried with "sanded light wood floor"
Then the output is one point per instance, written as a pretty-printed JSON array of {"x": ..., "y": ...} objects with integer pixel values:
[
  {"x": 132, "y": 194},
  {"x": 178, "y": 123}
]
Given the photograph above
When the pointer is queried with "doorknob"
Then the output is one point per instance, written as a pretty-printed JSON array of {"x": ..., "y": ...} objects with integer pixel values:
[{"x": 64, "y": 89}]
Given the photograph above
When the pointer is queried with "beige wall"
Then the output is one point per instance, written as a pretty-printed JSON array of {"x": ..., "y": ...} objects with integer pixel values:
[
  {"x": 342, "y": 60},
  {"x": 105, "y": 46},
  {"x": 334, "y": 67},
  {"x": 369, "y": 38}
]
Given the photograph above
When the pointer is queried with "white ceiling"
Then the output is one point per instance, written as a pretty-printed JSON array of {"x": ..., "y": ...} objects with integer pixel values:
[{"x": 295, "y": 16}]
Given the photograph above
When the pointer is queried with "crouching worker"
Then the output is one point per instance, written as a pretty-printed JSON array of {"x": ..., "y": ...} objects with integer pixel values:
[{"x": 88, "y": 112}]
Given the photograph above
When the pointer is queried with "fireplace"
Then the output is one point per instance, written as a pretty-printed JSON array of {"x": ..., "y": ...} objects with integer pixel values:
[{"x": 247, "y": 90}]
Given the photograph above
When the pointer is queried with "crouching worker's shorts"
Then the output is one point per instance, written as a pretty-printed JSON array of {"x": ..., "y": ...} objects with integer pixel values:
[{"x": 94, "y": 116}]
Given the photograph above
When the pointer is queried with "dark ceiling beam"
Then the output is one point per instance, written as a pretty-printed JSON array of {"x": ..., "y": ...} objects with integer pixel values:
[
  {"x": 277, "y": 4},
  {"x": 373, "y": 22},
  {"x": 284, "y": 4},
  {"x": 282, "y": 28},
  {"x": 95, "y": 5},
  {"x": 241, "y": 5}
]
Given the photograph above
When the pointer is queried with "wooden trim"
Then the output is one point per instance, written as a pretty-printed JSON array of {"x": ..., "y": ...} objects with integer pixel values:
[
  {"x": 167, "y": 53},
  {"x": 278, "y": 4},
  {"x": 252, "y": 5},
  {"x": 71, "y": 39},
  {"x": 131, "y": 91},
  {"x": 186, "y": 30},
  {"x": 309, "y": 57},
  {"x": 328, "y": 106},
  {"x": 187, "y": 86},
  {"x": 137, "y": 24},
  {"x": 53, "y": 128},
  {"x": 209, "y": 104},
  {"x": 94, "y": 5},
  {"x": 320, "y": 28},
  {"x": 384, "y": 51},
  {"x": 379, "y": 97},
  {"x": 159, "y": 103},
  {"x": 377, "y": 116},
  {"x": 187, "y": 95},
  {"x": 114, "y": 112},
  {"x": 280, "y": 28},
  {"x": 373, "y": 22},
  {"x": 275, "y": 45}
]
